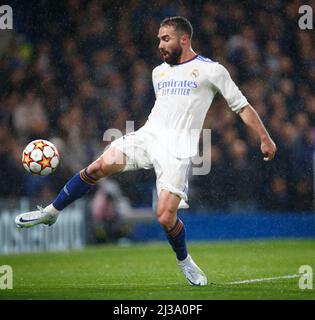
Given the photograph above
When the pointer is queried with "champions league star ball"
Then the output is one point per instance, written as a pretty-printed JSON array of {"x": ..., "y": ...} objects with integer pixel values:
[{"x": 40, "y": 158}]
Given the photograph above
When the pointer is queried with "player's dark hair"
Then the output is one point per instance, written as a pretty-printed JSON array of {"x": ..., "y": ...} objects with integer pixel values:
[{"x": 180, "y": 24}]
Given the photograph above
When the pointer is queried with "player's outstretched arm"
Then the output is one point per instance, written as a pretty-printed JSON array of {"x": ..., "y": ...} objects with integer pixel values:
[{"x": 252, "y": 119}]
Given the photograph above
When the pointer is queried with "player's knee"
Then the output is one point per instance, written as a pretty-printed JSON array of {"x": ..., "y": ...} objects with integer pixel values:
[
  {"x": 97, "y": 169},
  {"x": 167, "y": 218}
]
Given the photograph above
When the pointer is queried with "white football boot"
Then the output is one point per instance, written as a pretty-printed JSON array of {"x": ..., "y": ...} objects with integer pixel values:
[
  {"x": 40, "y": 216},
  {"x": 192, "y": 272}
]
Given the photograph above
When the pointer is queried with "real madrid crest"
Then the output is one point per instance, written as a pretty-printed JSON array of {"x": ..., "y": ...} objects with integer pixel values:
[{"x": 195, "y": 73}]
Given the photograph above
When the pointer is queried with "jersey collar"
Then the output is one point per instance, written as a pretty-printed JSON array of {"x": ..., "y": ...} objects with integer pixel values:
[{"x": 193, "y": 58}]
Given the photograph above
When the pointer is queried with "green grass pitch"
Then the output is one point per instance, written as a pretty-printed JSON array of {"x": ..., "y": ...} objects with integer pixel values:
[{"x": 149, "y": 271}]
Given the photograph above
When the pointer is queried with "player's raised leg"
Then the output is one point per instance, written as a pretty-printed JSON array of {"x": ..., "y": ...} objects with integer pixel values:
[
  {"x": 110, "y": 162},
  {"x": 176, "y": 235}
]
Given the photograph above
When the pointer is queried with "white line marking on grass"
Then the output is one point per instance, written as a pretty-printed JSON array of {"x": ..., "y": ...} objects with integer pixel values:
[{"x": 265, "y": 279}]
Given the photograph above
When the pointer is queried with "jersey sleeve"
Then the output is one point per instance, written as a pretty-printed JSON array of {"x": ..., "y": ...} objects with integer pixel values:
[{"x": 222, "y": 81}]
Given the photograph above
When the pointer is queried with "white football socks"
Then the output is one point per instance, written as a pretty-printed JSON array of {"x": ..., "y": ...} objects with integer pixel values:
[{"x": 51, "y": 209}]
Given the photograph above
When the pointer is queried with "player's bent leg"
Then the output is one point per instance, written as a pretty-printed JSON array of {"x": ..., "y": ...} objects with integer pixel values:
[
  {"x": 110, "y": 162},
  {"x": 176, "y": 235}
]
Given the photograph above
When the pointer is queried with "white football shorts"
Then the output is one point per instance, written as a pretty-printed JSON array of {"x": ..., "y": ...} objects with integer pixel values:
[{"x": 145, "y": 150}]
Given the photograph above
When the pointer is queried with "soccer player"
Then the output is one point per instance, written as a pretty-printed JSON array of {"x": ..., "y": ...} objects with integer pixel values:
[{"x": 185, "y": 85}]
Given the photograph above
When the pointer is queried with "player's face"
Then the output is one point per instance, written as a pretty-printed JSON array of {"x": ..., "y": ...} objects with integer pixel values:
[{"x": 169, "y": 45}]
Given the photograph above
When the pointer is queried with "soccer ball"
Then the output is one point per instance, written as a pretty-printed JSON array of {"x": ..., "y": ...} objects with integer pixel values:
[{"x": 40, "y": 158}]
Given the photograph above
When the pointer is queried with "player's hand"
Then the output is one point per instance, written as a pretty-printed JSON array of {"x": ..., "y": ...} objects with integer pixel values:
[{"x": 268, "y": 148}]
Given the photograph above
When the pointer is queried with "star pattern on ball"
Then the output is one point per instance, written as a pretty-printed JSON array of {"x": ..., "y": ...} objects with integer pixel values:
[
  {"x": 27, "y": 158},
  {"x": 40, "y": 145},
  {"x": 45, "y": 162},
  {"x": 40, "y": 158}
]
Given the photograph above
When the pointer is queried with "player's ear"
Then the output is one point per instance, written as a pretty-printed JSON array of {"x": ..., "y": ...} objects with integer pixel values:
[{"x": 184, "y": 39}]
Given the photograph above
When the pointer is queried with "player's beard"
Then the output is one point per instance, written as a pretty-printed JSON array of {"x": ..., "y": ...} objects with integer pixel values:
[{"x": 173, "y": 57}]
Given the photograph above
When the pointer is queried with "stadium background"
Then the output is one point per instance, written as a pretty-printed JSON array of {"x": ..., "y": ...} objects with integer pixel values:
[{"x": 72, "y": 69}]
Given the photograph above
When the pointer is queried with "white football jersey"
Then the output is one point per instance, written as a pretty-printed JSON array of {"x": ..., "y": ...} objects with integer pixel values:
[{"x": 184, "y": 93}]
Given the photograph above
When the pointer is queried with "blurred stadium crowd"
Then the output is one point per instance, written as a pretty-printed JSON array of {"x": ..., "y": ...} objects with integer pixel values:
[{"x": 73, "y": 69}]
